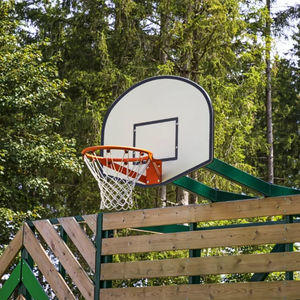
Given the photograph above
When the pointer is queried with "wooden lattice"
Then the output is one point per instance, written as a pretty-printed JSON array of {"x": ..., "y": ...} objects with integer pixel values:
[{"x": 42, "y": 242}]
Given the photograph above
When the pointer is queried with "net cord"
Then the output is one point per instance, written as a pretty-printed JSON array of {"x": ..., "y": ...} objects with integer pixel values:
[{"x": 116, "y": 188}]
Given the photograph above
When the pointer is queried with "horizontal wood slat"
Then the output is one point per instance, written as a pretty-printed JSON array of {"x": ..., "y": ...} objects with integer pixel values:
[
  {"x": 254, "y": 235},
  {"x": 66, "y": 258},
  {"x": 283, "y": 290},
  {"x": 248, "y": 263},
  {"x": 11, "y": 251},
  {"x": 80, "y": 240},
  {"x": 40, "y": 257},
  {"x": 287, "y": 205}
]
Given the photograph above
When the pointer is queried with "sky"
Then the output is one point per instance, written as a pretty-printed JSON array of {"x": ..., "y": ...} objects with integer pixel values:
[{"x": 284, "y": 45}]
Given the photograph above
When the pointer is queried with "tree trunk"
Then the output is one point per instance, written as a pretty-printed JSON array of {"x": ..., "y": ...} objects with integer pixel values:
[
  {"x": 182, "y": 196},
  {"x": 163, "y": 195},
  {"x": 269, "y": 96},
  {"x": 193, "y": 197},
  {"x": 164, "y": 25}
]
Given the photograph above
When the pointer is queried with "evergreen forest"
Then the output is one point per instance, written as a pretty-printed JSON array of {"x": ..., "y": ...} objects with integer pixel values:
[{"x": 64, "y": 62}]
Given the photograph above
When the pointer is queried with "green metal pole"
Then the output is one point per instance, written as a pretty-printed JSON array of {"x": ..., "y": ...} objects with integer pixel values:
[
  {"x": 64, "y": 236},
  {"x": 98, "y": 241},
  {"x": 194, "y": 253},
  {"x": 26, "y": 257},
  {"x": 289, "y": 248},
  {"x": 11, "y": 283},
  {"x": 106, "y": 259},
  {"x": 31, "y": 283}
]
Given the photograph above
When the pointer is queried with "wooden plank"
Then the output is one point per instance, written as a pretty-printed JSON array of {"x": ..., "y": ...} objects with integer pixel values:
[
  {"x": 286, "y": 205},
  {"x": 248, "y": 263},
  {"x": 42, "y": 260},
  {"x": 80, "y": 240},
  {"x": 66, "y": 258},
  {"x": 11, "y": 252},
  {"x": 91, "y": 220},
  {"x": 276, "y": 290},
  {"x": 254, "y": 235}
]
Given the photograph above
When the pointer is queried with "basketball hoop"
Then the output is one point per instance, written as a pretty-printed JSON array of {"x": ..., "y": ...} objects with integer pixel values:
[{"x": 117, "y": 169}]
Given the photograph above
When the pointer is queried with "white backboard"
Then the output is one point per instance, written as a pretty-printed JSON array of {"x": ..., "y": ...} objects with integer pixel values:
[{"x": 168, "y": 115}]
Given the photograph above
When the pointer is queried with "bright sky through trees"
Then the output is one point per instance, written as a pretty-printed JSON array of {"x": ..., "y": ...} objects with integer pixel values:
[{"x": 285, "y": 44}]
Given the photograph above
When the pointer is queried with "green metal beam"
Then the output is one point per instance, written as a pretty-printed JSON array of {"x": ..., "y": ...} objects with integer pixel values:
[
  {"x": 263, "y": 276},
  {"x": 23, "y": 274},
  {"x": 11, "y": 283},
  {"x": 25, "y": 257},
  {"x": 183, "y": 228},
  {"x": 207, "y": 192},
  {"x": 239, "y": 225},
  {"x": 31, "y": 284},
  {"x": 252, "y": 182},
  {"x": 165, "y": 228}
]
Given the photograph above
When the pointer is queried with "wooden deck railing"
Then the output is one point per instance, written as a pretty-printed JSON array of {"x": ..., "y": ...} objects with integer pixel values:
[{"x": 89, "y": 276}]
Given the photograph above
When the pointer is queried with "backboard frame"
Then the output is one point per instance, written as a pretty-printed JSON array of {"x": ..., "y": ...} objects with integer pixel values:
[{"x": 211, "y": 124}]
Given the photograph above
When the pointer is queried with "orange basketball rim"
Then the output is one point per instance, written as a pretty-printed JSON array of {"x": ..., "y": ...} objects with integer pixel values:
[{"x": 125, "y": 156}]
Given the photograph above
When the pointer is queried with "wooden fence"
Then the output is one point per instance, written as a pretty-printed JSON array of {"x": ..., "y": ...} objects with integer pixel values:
[{"x": 85, "y": 262}]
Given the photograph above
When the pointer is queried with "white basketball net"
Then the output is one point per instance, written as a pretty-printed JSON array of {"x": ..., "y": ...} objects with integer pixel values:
[{"x": 116, "y": 188}]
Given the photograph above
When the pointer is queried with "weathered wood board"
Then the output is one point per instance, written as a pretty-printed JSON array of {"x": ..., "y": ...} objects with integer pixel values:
[
  {"x": 254, "y": 235},
  {"x": 246, "y": 263},
  {"x": 278, "y": 290},
  {"x": 273, "y": 206}
]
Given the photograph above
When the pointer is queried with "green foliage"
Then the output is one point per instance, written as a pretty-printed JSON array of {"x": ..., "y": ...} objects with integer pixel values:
[
  {"x": 285, "y": 102},
  {"x": 35, "y": 158},
  {"x": 10, "y": 223},
  {"x": 286, "y": 106},
  {"x": 105, "y": 47}
]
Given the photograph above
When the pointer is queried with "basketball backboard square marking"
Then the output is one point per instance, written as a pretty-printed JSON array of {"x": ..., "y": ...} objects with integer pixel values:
[{"x": 164, "y": 133}]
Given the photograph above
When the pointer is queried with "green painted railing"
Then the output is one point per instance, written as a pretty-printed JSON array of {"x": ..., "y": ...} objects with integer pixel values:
[
  {"x": 22, "y": 274},
  {"x": 236, "y": 175}
]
